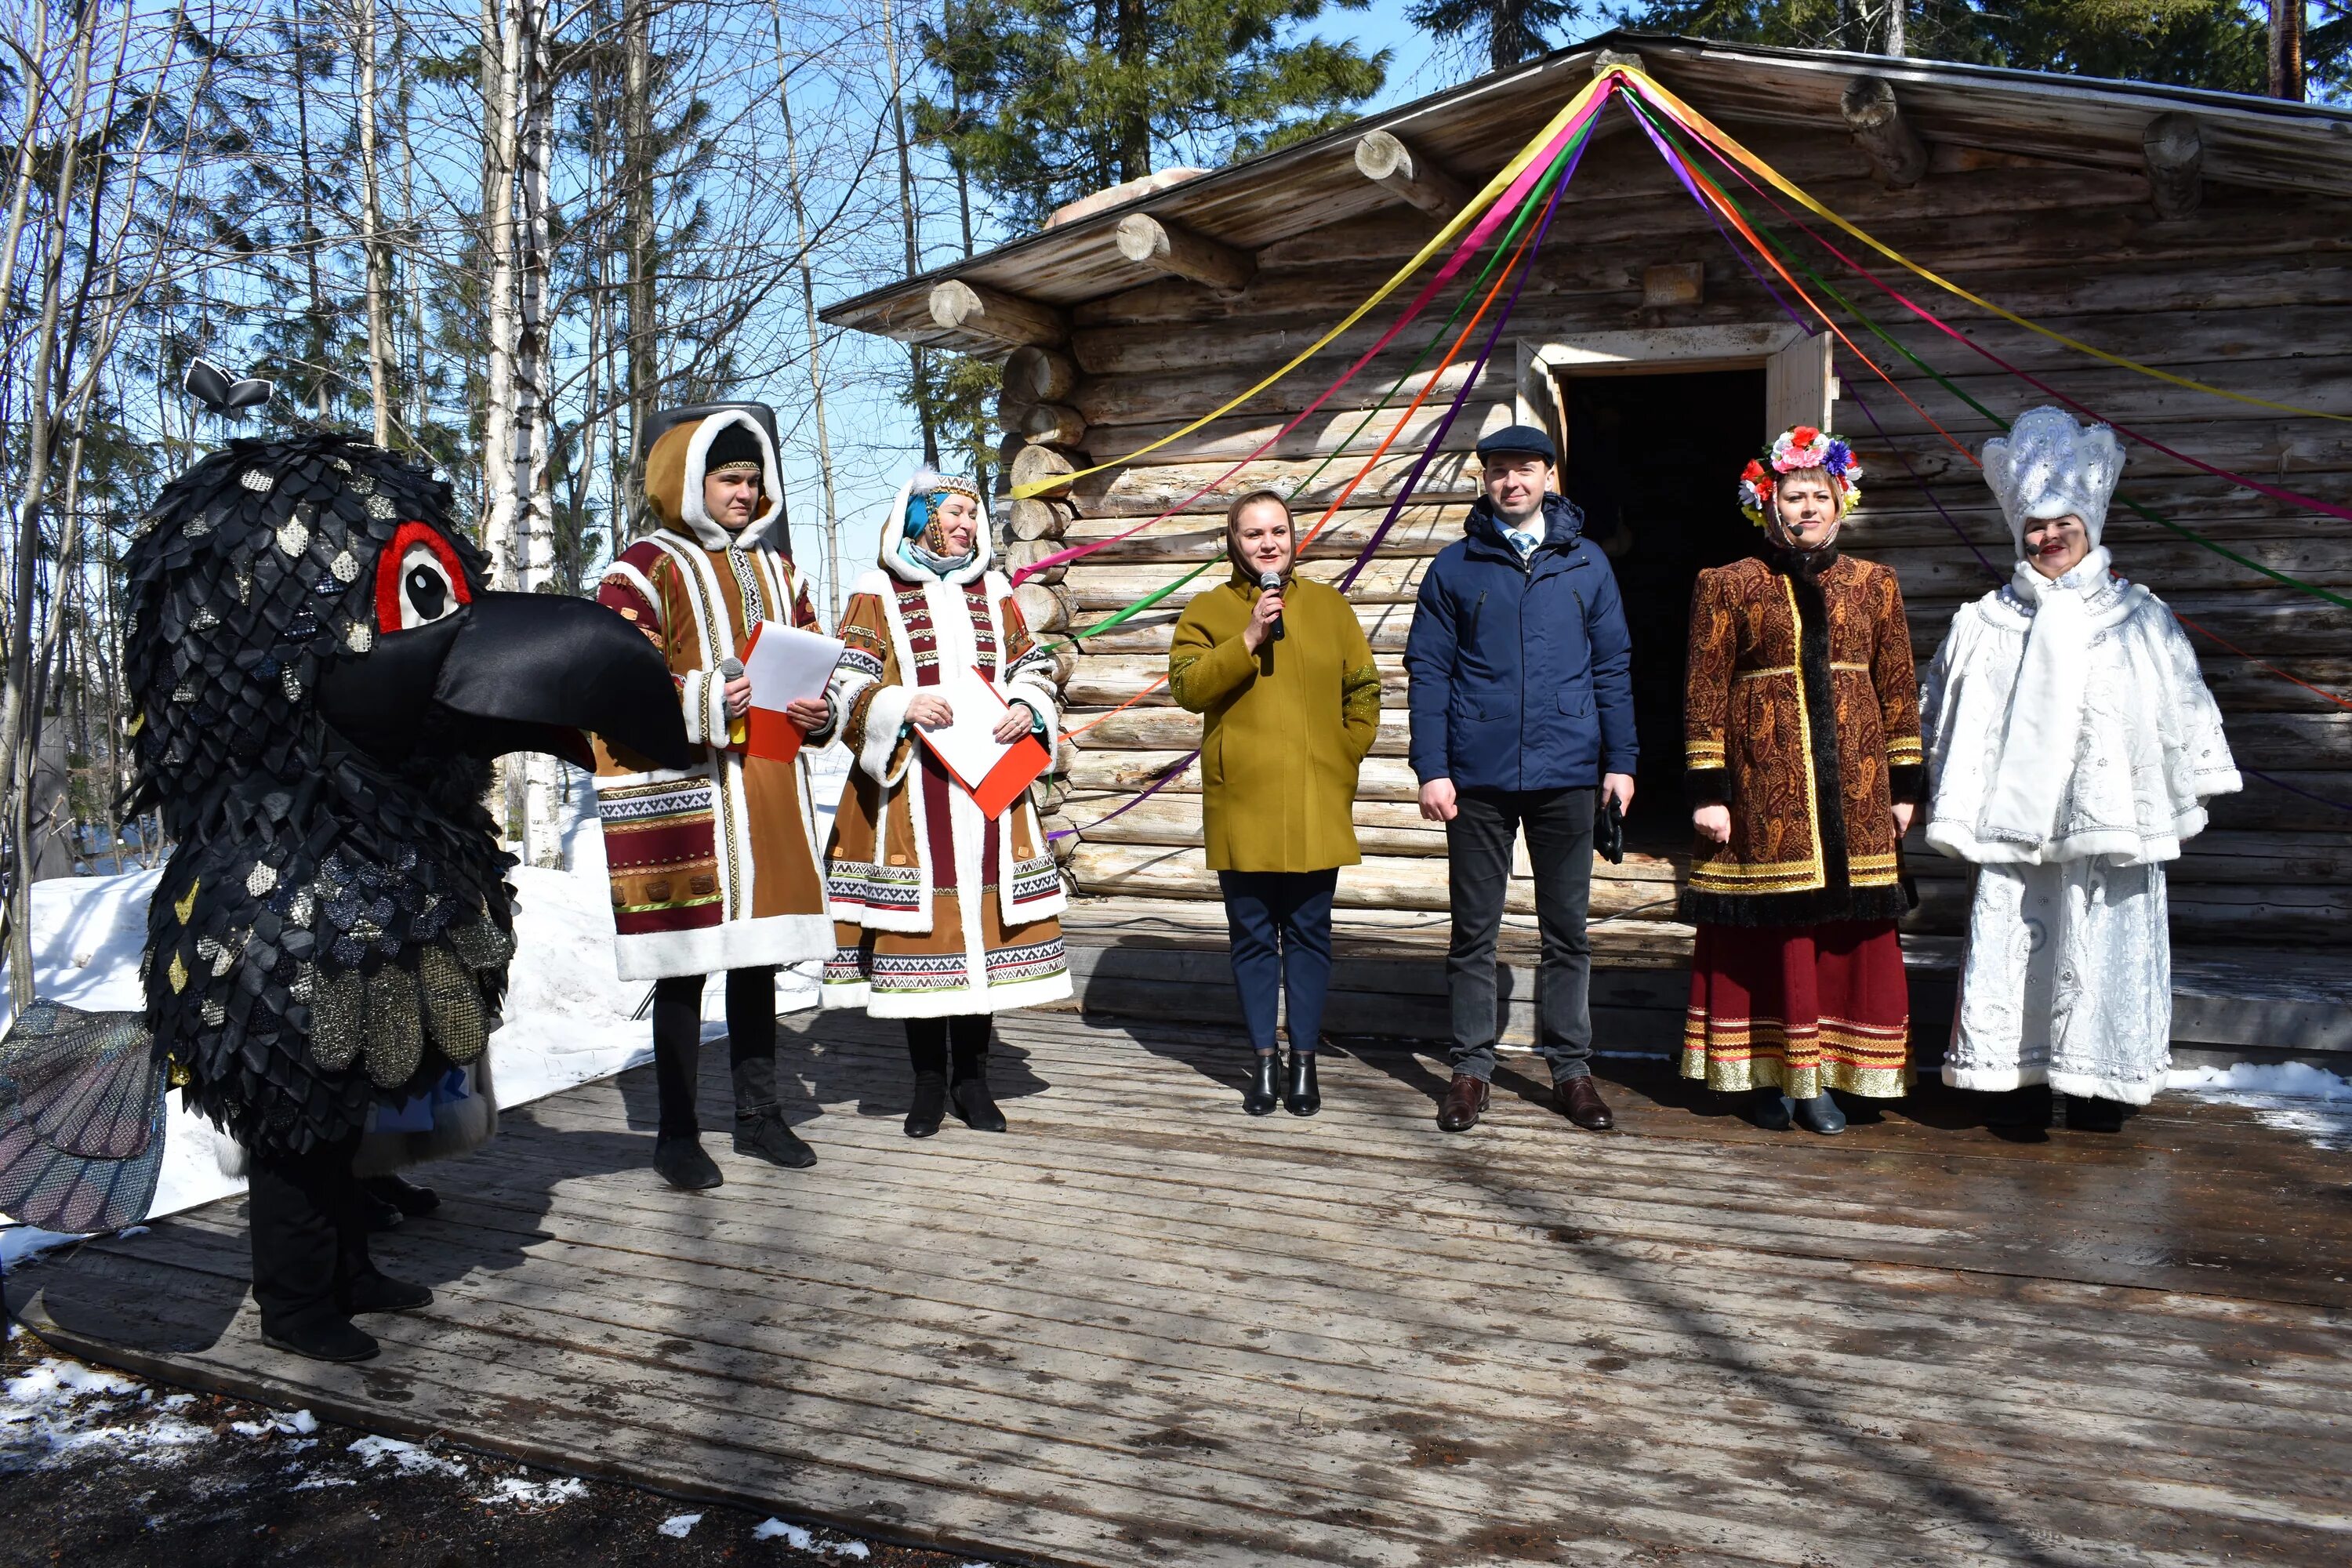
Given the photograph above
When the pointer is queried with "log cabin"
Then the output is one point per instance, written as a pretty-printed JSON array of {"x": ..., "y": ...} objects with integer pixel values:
[{"x": 2205, "y": 234}]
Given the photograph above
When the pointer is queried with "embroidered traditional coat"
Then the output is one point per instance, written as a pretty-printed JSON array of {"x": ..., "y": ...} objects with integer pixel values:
[
  {"x": 1801, "y": 713},
  {"x": 713, "y": 867},
  {"x": 938, "y": 909}
]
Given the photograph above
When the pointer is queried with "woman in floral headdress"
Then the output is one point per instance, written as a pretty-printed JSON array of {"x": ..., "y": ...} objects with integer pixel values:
[
  {"x": 1801, "y": 732},
  {"x": 941, "y": 917}
]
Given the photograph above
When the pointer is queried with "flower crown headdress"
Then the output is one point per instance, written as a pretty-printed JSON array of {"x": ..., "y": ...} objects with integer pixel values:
[{"x": 1802, "y": 447}]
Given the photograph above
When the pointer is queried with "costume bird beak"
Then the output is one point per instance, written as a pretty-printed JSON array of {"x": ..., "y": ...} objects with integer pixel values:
[{"x": 511, "y": 672}]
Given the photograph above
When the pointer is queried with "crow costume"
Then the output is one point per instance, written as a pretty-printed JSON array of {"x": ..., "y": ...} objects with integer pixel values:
[{"x": 321, "y": 679}]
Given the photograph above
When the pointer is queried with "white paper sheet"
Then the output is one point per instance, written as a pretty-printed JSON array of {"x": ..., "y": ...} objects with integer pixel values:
[
  {"x": 968, "y": 746},
  {"x": 788, "y": 664}
]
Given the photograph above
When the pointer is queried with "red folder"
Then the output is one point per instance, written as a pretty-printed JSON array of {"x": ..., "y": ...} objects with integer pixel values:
[{"x": 1011, "y": 773}]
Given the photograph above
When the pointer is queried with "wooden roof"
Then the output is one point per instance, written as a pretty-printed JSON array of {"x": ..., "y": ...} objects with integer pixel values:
[{"x": 1473, "y": 130}]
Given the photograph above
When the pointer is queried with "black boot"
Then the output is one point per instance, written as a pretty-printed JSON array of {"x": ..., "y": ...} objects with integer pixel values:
[
  {"x": 968, "y": 1084},
  {"x": 761, "y": 1130},
  {"x": 376, "y": 1292},
  {"x": 2085, "y": 1114},
  {"x": 1261, "y": 1097},
  {"x": 1820, "y": 1114},
  {"x": 304, "y": 1219},
  {"x": 1302, "y": 1096},
  {"x": 927, "y": 1049},
  {"x": 680, "y": 1160},
  {"x": 1772, "y": 1110},
  {"x": 2029, "y": 1108},
  {"x": 381, "y": 1213},
  {"x": 402, "y": 1194}
]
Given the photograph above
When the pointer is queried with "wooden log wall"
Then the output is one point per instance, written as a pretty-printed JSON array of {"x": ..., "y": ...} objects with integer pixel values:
[{"x": 2253, "y": 292}]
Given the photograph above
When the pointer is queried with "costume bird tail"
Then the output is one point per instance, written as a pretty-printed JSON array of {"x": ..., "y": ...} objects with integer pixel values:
[{"x": 82, "y": 1118}]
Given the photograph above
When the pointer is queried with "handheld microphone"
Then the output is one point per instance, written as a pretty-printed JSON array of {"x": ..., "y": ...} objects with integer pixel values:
[
  {"x": 1271, "y": 582},
  {"x": 730, "y": 670}
]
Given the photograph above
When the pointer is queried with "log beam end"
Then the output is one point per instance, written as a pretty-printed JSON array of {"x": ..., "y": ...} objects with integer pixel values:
[
  {"x": 2174, "y": 146},
  {"x": 1387, "y": 159},
  {"x": 1171, "y": 247},
  {"x": 974, "y": 309},
  {"x": 1874, "y": 118}
]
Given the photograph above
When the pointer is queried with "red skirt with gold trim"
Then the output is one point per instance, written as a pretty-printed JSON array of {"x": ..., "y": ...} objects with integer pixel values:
[{"x": 1799, "y": 1008}]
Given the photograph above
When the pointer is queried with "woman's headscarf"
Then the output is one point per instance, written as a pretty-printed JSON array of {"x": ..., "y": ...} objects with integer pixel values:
[
  {"x": 1795, "y": 450},
  {"x": 921, "y": 533}
]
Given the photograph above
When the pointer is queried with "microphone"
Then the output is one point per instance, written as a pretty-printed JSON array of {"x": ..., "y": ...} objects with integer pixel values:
[
  {"x": 730, "y": 670},
  {"x": 1271, "y": 582}
]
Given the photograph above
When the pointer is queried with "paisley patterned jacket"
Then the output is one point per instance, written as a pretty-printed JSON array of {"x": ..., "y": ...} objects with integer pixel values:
[{"x": 1801, "y": 713}]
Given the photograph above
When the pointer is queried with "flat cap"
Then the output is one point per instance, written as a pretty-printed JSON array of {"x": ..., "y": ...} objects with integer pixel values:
[{"x": 1519, "y": 438}]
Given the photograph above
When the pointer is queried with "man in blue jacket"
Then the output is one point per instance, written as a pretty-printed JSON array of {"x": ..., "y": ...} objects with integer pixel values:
[{"x": 1522, "y": 702}]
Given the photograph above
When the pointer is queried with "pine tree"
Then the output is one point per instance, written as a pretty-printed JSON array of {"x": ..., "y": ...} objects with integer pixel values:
[
  {"x": 1510, "y": 30},
  {"x": 1048, "y": 101}
]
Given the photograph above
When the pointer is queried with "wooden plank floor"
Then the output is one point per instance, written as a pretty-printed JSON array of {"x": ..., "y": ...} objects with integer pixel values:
[{"x": 1145, "y": 1329}]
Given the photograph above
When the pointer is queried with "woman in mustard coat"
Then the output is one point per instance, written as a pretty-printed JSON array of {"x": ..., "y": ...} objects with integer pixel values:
[{"x": 1290, "y": 700}]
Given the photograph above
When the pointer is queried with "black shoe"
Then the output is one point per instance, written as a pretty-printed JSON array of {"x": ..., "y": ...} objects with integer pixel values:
[
  {"x": 2030, "y": 1107},
  {"x": 967, "y": 1088},
  {"x": 1820, "y": 1114},
  {"x": 930, "y": 1104},
  {"x": 381, "y": 1214},
  {"x": 1302, "y": 1096},
  {"x": 374, "y": 1292},
  {"x": 2085, "y": 1114},
  {"x": 763, "y": 1136},
  {"x": 684, "y": 1165},
  {"x": 403, "y": 1194},
  {"x": 1261, "y": 1097},
  {"x": 327, "y": 1338},
  {"x": 976, "y": 1105},
  {"x": 1772, "y": 1110}
]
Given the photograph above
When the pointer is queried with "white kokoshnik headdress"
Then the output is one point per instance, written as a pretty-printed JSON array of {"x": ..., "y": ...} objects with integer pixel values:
[{"x": 2048, "y": 466}]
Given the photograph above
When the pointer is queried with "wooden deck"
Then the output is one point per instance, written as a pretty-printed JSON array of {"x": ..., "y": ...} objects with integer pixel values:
[{"x": 1146, "y": 1329}]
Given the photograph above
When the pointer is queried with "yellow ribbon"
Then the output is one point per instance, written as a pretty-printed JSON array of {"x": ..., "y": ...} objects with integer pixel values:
[
  {"x": 1693, "y": 120},
  {"x": 1454, "y": 228}
]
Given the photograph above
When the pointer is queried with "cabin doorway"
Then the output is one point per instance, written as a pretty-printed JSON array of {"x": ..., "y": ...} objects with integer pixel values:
[{"x": 1653, "y": 460}]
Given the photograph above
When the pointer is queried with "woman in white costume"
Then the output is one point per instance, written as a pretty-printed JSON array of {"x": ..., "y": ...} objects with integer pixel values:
[{"x": 2071, "y": 747}]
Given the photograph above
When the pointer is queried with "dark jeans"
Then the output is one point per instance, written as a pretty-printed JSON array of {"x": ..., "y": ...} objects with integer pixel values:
[
  {"x": 1559, "y": 845},
  {"x": 677, "y": 1045},
  {"x": 1280, "y": 924}
]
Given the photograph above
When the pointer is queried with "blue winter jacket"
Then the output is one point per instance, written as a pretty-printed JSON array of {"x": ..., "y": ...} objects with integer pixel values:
[{"x": 1521, "y": 671}]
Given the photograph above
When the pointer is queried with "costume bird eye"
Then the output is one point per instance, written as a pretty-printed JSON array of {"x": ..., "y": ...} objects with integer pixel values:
[{"x": 418, "y": 580}]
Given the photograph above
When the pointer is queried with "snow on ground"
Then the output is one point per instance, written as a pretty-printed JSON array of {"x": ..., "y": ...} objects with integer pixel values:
[
  {"x": 800, "y": 1539},
  {"x": 569, "y": 1019},
  {"x": 2293, "y": 1097}
]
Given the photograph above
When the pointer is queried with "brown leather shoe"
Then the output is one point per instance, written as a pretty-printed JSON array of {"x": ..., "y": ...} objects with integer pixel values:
[
  {"x": 1465, "y": 1102},
  {"x": 1580, "y": 1102}
]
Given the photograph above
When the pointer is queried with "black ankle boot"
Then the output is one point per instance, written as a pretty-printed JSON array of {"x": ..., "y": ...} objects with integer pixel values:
[
  {"x": 1302, "y": 1096},
  {"x": 402, "y": 1194},
  {"x": 377, "y": 1293},
  {"x": 763, "y": 1135},
  {"x": 321, "y": 1338},
  {"x": 929, "y": 1056},
  {"x": 2085, "y": 1114},
  {"x": 969, "y": 1090},
  {"x": 684, "y": 1165},
  {"x": 1772, "y": 1110},
  {"x": 1261, "y": 1097},
  {"x": 381, "y": 1213}
]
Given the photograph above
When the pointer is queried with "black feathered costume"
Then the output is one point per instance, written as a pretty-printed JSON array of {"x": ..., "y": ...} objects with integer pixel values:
[{"x": 321, "y": 679}]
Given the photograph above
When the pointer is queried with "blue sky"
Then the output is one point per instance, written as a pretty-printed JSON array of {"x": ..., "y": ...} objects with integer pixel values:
[{"x": 874, "y": 437}]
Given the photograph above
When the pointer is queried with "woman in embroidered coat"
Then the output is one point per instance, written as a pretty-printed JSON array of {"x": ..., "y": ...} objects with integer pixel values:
[
  {"x": 713, "y": 867},
  {"x": 943, "y": 916},
  {"x": 2073, "y": 745},
  {"x": 1801, "y": 728}
]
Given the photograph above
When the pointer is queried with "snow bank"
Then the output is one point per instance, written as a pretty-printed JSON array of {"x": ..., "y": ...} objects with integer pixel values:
[
  {"x": 2293, "y": 1097},
  {"x": 569, "y": 1019}
]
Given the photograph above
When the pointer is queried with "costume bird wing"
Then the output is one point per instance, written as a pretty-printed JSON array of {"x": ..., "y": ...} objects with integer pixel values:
[
  {"x": 221, "y": 393},
  {"x": 82, "y": 1118}
]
